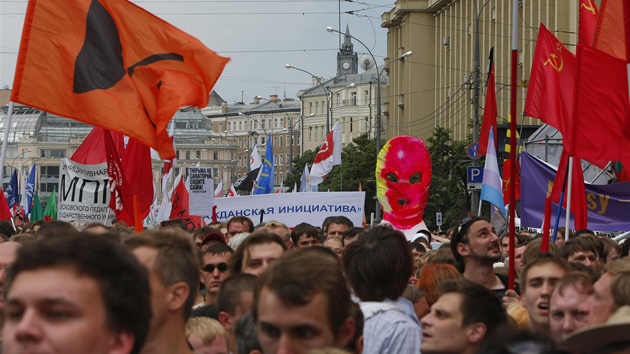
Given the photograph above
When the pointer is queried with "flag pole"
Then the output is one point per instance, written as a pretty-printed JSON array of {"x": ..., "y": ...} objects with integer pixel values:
[
  {"x": 567, "y": 217},
  {"x": 512, "y": 186},
  {"x": 5, "y": 139}
]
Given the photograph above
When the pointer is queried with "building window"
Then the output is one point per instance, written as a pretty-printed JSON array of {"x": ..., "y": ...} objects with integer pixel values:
[
  {"x": 215, "y": 172},
  {"x": 316, "y": 133},
  {"x": 281, "y": 162},
  {"x": 350, "y": 124},
  {"x": 198, "y": 154},
  {"x": 220, "y": 127},
  {"x": 275, "y": 122},
  {"x": 177, "y": 153},
  {"x": 281, "y": 141},
  {"x": 275, "y": 160},
  {"x": 263, "y": 124},
  {"x": 187, "y": 155},
  {"x": 215, "y": 155},
  {"x": 310, "y": 133},
  {"x": 310, "y": 107},
  {"x": 53, "y": 153},
  {"x": 353, "y": 98}
]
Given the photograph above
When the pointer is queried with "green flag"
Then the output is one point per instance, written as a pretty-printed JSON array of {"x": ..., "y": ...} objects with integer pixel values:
[
  {"x": 51, "y": 205},
  {"x": 37, "y": 213}
]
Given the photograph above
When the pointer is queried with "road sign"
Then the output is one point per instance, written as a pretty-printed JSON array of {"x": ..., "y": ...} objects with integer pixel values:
[
  {"x": 472, "y": 150},
  {"x": 438, "y": 218},
  {"x": 474, "y": 177}
]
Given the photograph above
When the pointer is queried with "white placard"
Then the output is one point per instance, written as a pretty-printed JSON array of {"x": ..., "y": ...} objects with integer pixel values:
[
  {"x": 84, "y": 193},
  {"x": 294, "y": 208},
  {"x": 201, "y": 190}
]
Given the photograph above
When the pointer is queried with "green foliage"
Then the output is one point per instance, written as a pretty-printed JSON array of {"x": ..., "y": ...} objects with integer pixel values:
[
  {"x": 358, "y": 163},
  {"x": 448, "y": 184}
]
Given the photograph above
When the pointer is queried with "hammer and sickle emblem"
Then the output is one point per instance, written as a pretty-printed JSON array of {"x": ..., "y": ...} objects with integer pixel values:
[
  {"x": 555, "y": 63},
  {"x": 590, "y": 7}
]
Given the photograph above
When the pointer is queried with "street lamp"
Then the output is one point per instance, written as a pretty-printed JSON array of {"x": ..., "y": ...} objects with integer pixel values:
[
  {"x": 378, "y": 99},
  {"x": 289, "y": 66}
]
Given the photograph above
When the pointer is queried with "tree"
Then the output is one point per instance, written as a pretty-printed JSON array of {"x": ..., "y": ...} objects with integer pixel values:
[{"x": 448, "y": 183}]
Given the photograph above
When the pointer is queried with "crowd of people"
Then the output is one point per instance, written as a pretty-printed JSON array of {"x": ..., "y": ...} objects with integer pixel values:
[{"x": 236, "y": 287}]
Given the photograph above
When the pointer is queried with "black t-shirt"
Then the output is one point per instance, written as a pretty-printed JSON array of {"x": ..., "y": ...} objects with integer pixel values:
[{"x": 504, "y": 280}]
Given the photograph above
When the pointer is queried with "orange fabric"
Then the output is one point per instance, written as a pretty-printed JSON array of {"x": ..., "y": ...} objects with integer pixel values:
[
  {"x": 610, "y": 32},
  {"x": 120, "y": 68}
]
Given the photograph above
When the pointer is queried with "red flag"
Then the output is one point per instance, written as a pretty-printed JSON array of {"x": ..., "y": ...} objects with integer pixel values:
[
  {"x": 578, "y": 190},
  {"x": 136, "y": 162},
  {"x": 181, "y": 206},
  {"x": 112, "y": 64},
  {"x": 588, "y": 19},
  {"x": 507, "y": 168},
  {"x": 5, "y": 212},
  {"x": 121, "y": 198},
  {"x": 92, "y": 149},
  {"x": 602, "y": 113},
  {"x": 550, "y": 93},
  {"x": 490, "y": 111}
]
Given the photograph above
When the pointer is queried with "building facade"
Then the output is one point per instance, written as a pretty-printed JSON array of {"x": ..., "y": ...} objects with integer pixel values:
[
  {"x": 250, "y": 125},
  {"x": 42, "y": 138},
  {"x": 436, "y": 87}
]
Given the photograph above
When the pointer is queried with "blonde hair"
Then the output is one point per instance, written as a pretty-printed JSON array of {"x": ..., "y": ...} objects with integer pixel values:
[
  {"x": 519, "y": 314},
  {"x": 206, "y": 328}
]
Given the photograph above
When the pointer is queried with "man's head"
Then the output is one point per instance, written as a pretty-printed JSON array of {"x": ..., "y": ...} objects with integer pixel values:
[
  {"x": 565, "y": 315},
  {"x": 580, "y": 250},
  {"x": 76, "y": 294},
  {"x": 465, "y": 315},
  {"x": 477, "y": 243},
  {"x": 378, "y": 265},
  {"x": 239, "y": 224},
  {"x": 304, "y": 235},
  {"x": 206, "y": 335},
  {"x": 214, "y": 267},
  {"x": 612, "y": 250},
  {"x": 302, "y": 302},
  {"x": 235, "y": 299},
  {"x": 538, "y": 278},
  {"x": 173, "y": 265},
  {"x": 336, "y": 225},
  {"x": 256, "y": 252},
  {"x": 335, "y": 244},
  {"x": 8, "y": 252},
  {"x": 611, "y": 291},
  {"x": 207, "y": 235},
  {"x": 279, "y": 229},
  {"x": 351, "y": 235},
  {"x": 247, "y": 336}
]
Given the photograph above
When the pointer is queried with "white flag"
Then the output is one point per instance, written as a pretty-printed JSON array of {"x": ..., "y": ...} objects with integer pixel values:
[
  {"x": 218, "y": 192},
  {"x": 328, "y": 156},
  {"x": 254, "y": 160}
]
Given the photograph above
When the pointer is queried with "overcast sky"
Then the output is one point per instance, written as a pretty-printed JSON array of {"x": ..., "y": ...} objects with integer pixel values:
[{"x": 259, "y": 36}]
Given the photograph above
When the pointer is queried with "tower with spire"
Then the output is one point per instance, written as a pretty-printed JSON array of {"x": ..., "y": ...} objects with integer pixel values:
[{"x": 347, "y": 59}]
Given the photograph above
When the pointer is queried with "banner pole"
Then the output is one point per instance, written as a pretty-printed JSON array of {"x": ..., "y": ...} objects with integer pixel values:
[
  {"x": 567, "y": 217},
  {"x": 5, "y": 140}
]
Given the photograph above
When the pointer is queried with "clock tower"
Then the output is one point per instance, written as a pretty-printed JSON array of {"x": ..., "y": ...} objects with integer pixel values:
[{"x": 347, "y": 59}]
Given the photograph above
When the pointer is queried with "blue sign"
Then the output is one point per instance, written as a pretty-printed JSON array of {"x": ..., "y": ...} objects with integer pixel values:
[
  {"x": 474, "y": 174},
  {"x": 473, "y": 151}
]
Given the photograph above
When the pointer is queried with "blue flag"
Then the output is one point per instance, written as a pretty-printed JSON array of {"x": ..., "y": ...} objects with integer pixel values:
[
  {"x": 30, "y": 189},
  {"x": 12, "y": 191},
  {"x": 265, "y": 179},
  {"x": 492, "y": 184}
]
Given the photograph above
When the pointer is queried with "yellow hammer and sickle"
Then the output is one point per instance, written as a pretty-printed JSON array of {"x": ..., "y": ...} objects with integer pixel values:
[
  {"x": 590, "y": 6},
  {"x": 554, "y": 62}
]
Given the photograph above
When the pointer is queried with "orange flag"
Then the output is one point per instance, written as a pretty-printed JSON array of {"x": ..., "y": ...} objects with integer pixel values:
[
  {"x": 112, "y": 64},
  {"x": 609, "y": 33}
]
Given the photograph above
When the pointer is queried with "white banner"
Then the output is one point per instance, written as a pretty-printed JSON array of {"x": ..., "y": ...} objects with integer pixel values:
[
  {"x": 293, "y": 208},
  {"x": 201, "y": 190},
  {"x": 83, "y": 193}
]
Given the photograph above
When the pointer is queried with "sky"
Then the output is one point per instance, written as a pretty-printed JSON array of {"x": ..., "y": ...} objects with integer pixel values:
[{"x": 259, "y": 36}]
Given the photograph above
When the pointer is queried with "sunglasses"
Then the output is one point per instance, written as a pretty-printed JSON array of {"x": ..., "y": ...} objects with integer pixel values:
[{"x": 222, "y": 267}]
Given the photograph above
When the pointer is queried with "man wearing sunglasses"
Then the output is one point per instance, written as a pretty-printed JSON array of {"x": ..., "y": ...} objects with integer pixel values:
[{"x": 214, "y": 270}]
